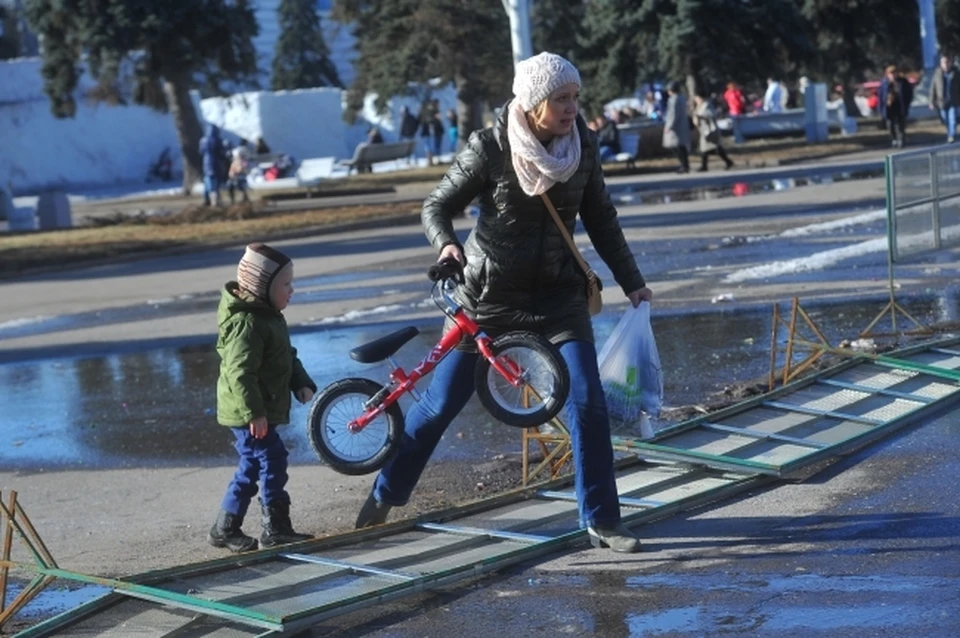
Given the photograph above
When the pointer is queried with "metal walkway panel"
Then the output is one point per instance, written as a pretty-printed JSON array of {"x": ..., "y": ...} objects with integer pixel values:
[
  {"x": 815, "y": 418},
  {"x": 281, "y": 587},
  {"x": 289, "y": 589},
  {"x": 123, "y": 617}
]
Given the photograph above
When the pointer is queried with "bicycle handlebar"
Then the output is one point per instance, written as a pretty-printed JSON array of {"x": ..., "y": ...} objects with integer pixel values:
[{"x": 448, "y": 268}]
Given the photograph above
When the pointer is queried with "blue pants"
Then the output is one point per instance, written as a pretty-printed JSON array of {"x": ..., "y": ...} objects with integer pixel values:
[
  {"x": 211, "y": 184},
  {"x": 949, "y": 116},
  {"x": 451, "y": 388},
  {"x": 263, "y": 460}
]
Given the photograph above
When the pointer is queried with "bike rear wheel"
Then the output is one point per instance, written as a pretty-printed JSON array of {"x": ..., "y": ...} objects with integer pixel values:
[
  {"x": 546, "y": 380},
  {"x": 348, "y": 452}
]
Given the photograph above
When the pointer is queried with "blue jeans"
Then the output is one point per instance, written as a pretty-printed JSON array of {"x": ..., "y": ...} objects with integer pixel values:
[
  {"x": 260, "y": 459},
  {"x": 211, "y": 184},
  {"x": 949, "y": 115},
  {"x": 451, "y": 388}
]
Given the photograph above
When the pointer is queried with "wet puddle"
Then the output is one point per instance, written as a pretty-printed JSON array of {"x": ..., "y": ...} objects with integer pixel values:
[
  {"x": 53, "y": 600},
  {"x": 157, "y": 407},
  {"x": 642, "y": 194}
]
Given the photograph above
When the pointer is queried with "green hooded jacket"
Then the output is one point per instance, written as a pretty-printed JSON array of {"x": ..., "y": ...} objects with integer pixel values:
[{"x": 259, "y": 369}]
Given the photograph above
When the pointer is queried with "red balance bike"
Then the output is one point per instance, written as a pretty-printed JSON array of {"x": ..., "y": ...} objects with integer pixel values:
[{"x": 355, "y": 424}]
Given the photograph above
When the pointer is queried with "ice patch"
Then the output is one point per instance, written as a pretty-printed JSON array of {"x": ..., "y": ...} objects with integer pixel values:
[
  {"x": 354, "y": 315},
  {"x": 816, "y": 261},
  {"x": 811, "y": 229},
  {"x": 23, "y": 321}
]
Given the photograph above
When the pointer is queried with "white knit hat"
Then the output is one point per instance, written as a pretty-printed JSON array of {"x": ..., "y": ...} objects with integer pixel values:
[{"x": 537, "y": 77}]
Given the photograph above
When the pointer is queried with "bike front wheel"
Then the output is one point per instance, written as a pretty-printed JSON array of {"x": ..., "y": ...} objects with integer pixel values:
[
  {"x": 545, "y": 380},
  {"x": 348, "y": 452}
]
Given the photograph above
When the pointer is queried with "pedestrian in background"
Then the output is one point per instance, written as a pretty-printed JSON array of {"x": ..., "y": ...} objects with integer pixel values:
[
  {"x": 676, "y": 126},
  {"x": 736, "y": 103},
  {"x": 237, "y": 174},
  {"x": 453, "y": 129},
  {"x": 211, "y": 152},
  {"x": 896, "y": 94},
  {"x": 945, "y": 95},
  {"x": 706, "y": 123},
  {"x": 774, "y": 99}
]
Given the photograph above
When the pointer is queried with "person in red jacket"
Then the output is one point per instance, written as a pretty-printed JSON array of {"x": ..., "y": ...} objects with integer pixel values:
[{"x": 736, "y": 104}]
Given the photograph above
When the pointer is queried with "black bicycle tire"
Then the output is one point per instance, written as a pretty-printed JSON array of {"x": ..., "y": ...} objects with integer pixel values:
[
  {"x": 535, "y": 342},
  {"x": 353, "y": 385}
]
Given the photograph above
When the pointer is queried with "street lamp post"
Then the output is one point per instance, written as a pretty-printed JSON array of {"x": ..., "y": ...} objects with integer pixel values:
[
  {"x": 928, "y": 33},
  {"x": 518, "y": 11}
]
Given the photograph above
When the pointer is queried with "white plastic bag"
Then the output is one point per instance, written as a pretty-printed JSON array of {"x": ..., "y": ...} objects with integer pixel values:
[{"x": 630, "y": 370}]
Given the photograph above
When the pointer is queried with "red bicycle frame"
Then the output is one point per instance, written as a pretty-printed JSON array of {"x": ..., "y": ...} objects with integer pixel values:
[{"x": 403, "y": 382}]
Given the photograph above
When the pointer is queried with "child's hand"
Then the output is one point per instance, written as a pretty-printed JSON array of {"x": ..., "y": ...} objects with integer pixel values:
[
  {"x": 258, "y": 427},
  {"x": 304, "y": 394}
]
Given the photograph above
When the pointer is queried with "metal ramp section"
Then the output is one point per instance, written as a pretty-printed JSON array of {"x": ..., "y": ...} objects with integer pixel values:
[
  {"x": 278, "y": 591},
  {"x": 710, "y": 458},
  {"x": 817, "y": 418}
]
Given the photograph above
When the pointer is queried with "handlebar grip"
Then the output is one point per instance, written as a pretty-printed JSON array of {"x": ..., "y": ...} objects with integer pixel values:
[{"x": 448, "y": 268}]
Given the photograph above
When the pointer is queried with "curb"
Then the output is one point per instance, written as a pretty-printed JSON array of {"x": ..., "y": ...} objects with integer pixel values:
[{"x": 308, "y": 231}]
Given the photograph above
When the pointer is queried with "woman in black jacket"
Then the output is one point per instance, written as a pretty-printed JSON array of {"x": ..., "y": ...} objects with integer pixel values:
[{"x": 520, "y": 275}]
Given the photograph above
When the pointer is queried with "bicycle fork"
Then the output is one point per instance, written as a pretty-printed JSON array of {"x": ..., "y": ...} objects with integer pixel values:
[{"x": 374, "y": 406}]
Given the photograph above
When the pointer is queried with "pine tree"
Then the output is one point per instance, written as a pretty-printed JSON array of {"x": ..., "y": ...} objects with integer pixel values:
[
  {"x": 173, "y": 46},
  {"x": 616, "y": 49},
  {"x": 404, "y": 42},
  {"x": 302, "y": 60},
  {"x": 9, "y": 40},
  {"x": 948, "y": 26},
  {"x": 858, "y": 36},
  {"x": 710, "y": 42},
  {"x": 556, "y": 24}
]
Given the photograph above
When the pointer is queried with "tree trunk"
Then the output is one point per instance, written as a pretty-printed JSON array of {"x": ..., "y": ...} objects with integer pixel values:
[
  {"x": 176, "y": 88},
  {"x": 691, "y": 81},
  {"x": 468, "y": 106},
  {"x": 849, "y": 92}
]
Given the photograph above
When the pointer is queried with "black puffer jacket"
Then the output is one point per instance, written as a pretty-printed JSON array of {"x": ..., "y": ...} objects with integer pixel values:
[{"x": 520, "y": 274}]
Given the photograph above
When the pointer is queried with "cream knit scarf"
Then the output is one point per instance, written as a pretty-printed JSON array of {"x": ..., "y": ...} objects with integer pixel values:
[{"x": 539, "y": 167}]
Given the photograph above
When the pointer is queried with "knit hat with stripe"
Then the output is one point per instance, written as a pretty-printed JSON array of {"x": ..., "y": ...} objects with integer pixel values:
[{"x": 258, "y": 268}]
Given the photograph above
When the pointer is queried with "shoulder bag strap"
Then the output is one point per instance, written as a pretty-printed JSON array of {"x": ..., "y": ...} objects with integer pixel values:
[{"x": 563, "y": 231}]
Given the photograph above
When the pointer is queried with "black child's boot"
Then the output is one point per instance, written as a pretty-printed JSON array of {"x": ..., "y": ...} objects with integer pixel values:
[
  {"x": 226, "y": 533},
  {"x": 277, "y": 528},
  {"x": 372, "y": 513}
]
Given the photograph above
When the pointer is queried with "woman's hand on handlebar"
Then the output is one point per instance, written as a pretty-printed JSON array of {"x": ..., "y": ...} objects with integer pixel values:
[
  {"x": 643, "y": 294},
  {"x": 451, "y": 250}
]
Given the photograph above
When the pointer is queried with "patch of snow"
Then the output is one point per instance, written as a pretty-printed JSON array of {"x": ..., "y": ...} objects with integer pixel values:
[
  {"x": 824, "y": 227},
  {"x": 354, "y": 315},
  {"x": 816, "y": 261},
  {"x": 100, "y": 145},
  {"x": 23, "y": 321}
]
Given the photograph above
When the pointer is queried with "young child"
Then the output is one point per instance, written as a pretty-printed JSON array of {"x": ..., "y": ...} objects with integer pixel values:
[
  {"x": 258, "y": 371},
  {"x": 237, "y": 174}
]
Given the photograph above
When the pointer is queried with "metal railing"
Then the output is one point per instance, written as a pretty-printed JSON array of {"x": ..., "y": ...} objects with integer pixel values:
[
  {"x": 923, "y": 200},
  {"x": 923, "y": 212}
]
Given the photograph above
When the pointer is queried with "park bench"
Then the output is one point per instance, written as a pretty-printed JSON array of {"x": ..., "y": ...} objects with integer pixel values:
[
  {"x": 637, "y": 140},
  {"x": 367, "y": 155},
  {"x": 788, "y": 122}
]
